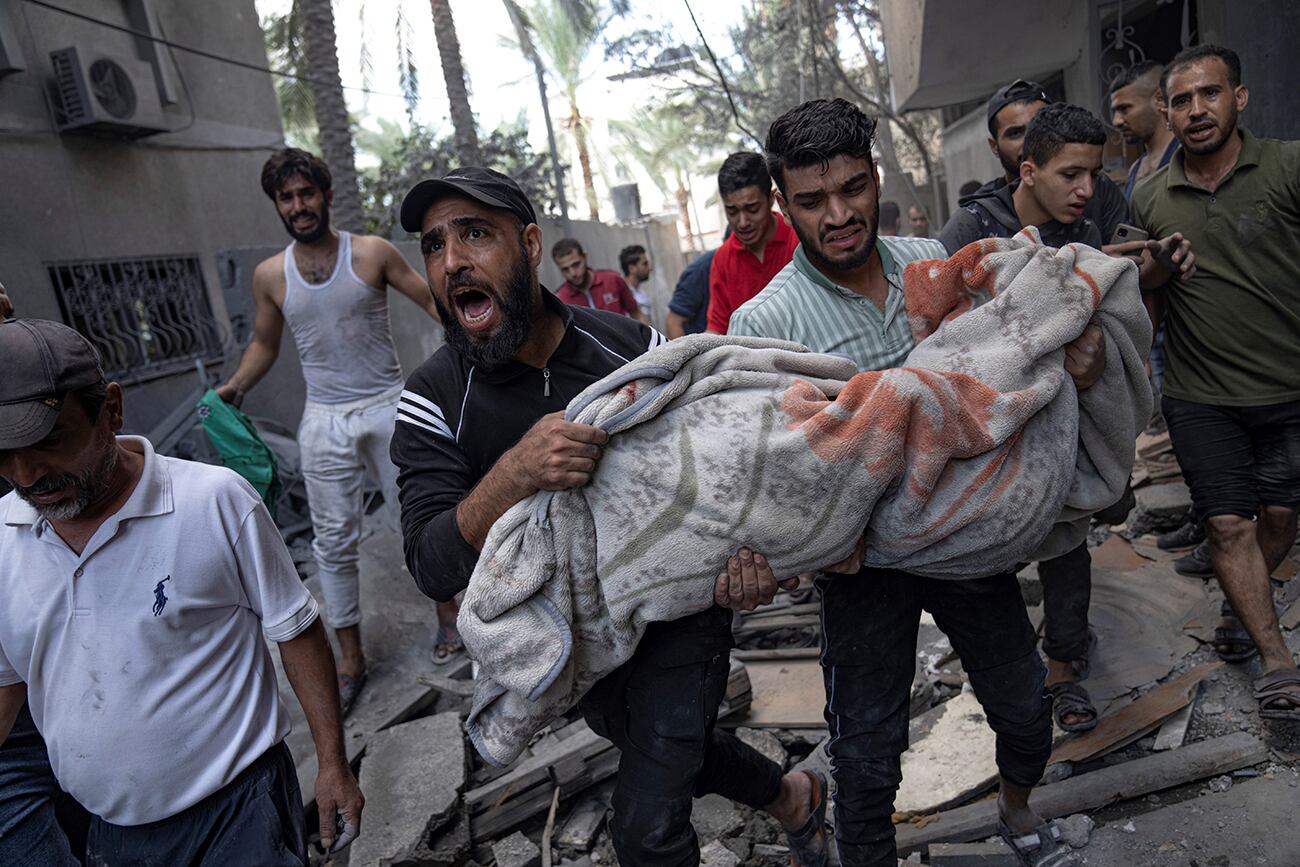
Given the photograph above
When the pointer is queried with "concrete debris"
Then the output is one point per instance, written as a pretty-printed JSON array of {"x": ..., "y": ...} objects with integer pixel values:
[
  {"x": 765, "y": 742},
  {"x": 578, "y": 833},
  {"x": 996, "y": 854},
  {"x": 1165, "y": 506},
  {"x": 1076, "y": 829},
  {"x": 1219, "y": 785},
  {"x": 717, "y": 855},
  {"x": 715, "y": 817},
  {"x": 412, "y": 775},
  {"x": 516, "y": 851}
]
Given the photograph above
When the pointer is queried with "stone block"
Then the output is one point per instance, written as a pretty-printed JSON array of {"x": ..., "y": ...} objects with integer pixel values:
[
  {"x": 412, "y": 775},
  {"x": 717, "y": 855},
  {"x": 715, "y": 817},
  {"x": 972, "y": 855},
  {"x": 765, "y": 742},
  {"x": 517, "y": 851},
  {"x": 1164, "y": 504}
]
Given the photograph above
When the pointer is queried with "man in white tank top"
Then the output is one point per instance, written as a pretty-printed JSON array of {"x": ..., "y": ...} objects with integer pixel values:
[{"x": 331, "y": 289}]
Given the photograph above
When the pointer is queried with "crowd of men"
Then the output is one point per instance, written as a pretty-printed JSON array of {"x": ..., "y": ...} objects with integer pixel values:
[{"x": 138, "y": 698}]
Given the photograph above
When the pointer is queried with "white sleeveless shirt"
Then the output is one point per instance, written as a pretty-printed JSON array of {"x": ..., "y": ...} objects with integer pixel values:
[{"x": 342, "y": 331}]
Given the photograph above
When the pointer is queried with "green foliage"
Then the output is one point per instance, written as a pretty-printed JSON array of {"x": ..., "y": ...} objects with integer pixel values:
[
  {"x": 286, "y": 52},
  {"x": 408, "y": 158}
]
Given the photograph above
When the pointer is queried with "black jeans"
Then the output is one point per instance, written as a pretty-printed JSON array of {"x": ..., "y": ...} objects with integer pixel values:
[
  {"x": 256, "y": 819},
  {"x": 1067, "y": 593},
  {"x": 659, "y": 708},
  {"x": 869, "y": 627}
]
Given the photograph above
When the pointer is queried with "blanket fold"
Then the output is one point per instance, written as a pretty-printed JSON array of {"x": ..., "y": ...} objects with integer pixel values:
[{"x": 955, "y": 465}]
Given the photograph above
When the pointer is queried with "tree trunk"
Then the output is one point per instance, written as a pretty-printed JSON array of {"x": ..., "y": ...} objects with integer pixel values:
[
  {"x": 584, "y": 160},
  {"x": 331, "y": 111},
  {"x": 684, "y": 209},
  {"x": 453, "y": 73}
]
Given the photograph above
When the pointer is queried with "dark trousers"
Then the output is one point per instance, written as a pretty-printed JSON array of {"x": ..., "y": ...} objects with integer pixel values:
[
  {"x": 255, "y": 820},
  {"x": 869, "y": 627},
  {"x": 1067, "y": 593},
  {"x": 659, "y": 708},
  {"x": 40, "y": 824}
]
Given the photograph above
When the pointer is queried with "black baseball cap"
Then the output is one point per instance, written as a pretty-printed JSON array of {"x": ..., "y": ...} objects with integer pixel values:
[
  {"x": 43, "y": 362},
  {"x": 485, "y": 185},
  {"x": 1020, "y": 90}
]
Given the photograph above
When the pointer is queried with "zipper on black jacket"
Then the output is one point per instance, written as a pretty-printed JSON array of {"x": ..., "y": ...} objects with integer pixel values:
[{"x": 546, "y": 382}]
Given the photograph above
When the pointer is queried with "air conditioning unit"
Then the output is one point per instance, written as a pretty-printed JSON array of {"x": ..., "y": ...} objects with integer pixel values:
[{"x": 102, "y": 93}]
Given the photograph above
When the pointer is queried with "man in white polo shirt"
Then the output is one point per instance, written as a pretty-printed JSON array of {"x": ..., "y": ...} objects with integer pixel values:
[{"x": 137, "y": 591}]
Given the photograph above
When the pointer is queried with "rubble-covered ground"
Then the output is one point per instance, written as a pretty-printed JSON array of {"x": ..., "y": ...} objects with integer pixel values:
[{"x": 432, "y": 802}]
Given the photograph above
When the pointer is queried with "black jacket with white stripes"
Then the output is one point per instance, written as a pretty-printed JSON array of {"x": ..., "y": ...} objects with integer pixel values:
[{"x": 454, "y": 420}]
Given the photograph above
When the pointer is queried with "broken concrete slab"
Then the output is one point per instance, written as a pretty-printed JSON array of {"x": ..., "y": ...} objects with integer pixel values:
[
  {"x": 766, "y": 743},
  {"x": 951, "y": 757},
  {"x": 412, "y": 776},
  {"x": 1253, "y": 823},
  {"x": 583, "y": 824},
  {"x": 717, "y": 855},
  {"x": 996, "y": 854},
  {"x": 1076, "y": 829},
  {"x": 1166, "y": 504},
  {"x": 1096, "y": 789},
  {"x": 449, "y": 844},
  {"x": 516, "y": 851},
  {"x": 715, "y": 816}
]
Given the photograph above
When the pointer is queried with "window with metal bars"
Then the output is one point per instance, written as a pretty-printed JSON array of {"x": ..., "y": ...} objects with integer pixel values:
[{"x": 148, "y": 317}]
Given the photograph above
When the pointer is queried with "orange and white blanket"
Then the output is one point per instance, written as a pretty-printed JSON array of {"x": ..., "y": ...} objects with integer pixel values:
[{"x": 955, "y": 465}]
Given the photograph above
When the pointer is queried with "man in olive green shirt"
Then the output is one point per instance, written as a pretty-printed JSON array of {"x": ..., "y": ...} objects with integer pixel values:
[{"x": 1232, "y": 344}]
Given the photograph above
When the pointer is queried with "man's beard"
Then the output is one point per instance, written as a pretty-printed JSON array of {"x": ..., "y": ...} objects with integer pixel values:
[
  {"x": 856, "y": 260},
  {"x": 516, "y": 317},
  {"x": 88, "y": 486},
  {"x": 322, "y": 226},
  {"x": 1227, "y": 130},
  {"x": 1011, "y": 167}
]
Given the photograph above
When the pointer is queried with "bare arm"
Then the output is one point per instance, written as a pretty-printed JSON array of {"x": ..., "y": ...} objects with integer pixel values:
[
  {"x": 309, "y": 665},
  {"x": 554, "y": 455},
  {"x": 6, "y": 306},
  {"x": 675, "y": 325},
  {"x": 399, "y": 274},
  {"x": 12, "y": 699},
  {"x": 268, "y": 329}
]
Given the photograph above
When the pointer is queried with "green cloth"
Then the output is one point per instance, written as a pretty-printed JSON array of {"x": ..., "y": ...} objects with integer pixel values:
[
  {"x": 240, "y": 446},
  {"x": 1232, "y": 336},
  {"x": 802, "y": 305}
]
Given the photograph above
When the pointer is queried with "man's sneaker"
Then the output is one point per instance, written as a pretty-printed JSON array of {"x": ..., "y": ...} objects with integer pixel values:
[
  {"x": 1186, "y": 536},
  {"x": 1196, "y": 563}
]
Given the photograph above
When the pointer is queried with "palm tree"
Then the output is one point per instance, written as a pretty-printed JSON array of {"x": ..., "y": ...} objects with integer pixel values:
[
  {"x": 316, "y": 18},
  {"x": 565, "y": 31},
  {"x": 453, "y": 73},
  {"x": 283, "y": 35},
  {"x": 660, "y": 140},
  {"x": 524, "y": 44}
]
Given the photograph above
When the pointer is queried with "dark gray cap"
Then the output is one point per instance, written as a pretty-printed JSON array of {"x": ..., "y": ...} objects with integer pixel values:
[
  {"x": 1020, "y": 90},
  {"x": 42, "y": 362},
  {"x": 484, "y": 185}
]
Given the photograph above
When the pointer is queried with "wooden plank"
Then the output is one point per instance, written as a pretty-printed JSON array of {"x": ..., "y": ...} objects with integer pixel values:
[
  {"x": 535, "y": 769},
  {"x": 1134, "y": 719},
  {"x": 1097, "y": 789},
  {"x": 782, "y": 621},
  {"x": 787, "y": 694},
  {"x": 499, "y": 819},
  {"x": 777, "y": 653}
]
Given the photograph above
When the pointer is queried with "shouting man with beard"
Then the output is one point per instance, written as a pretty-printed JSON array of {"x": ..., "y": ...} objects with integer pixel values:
[
  {"x": 331, "y": 288},
  {"x": 481, "y": 426}
]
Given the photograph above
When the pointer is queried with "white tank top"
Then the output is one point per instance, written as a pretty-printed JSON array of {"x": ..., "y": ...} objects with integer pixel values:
[{"x": 342, "y": 331}]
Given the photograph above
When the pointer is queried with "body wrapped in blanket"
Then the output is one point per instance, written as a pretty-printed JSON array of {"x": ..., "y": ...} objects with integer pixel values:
[{"x": 955, "y": 465}]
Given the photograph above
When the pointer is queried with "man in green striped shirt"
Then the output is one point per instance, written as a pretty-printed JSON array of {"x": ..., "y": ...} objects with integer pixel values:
[{"x": 843, "y": 292}]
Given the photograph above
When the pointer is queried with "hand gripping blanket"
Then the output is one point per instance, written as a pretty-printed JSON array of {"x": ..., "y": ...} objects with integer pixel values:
[{"x": 955, "y": 465}]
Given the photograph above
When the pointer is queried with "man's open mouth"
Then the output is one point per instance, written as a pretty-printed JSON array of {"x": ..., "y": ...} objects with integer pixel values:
[
  {"x": 474, "y": 306},
  {"x": 842, "y": 239},
  {"x": 1200, "y": 132}
]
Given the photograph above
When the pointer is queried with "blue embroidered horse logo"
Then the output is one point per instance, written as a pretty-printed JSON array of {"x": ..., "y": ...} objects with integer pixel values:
[{"x": 159, "y": 597}]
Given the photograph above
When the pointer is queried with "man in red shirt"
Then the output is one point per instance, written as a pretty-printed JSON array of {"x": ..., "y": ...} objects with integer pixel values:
[
  {"x": 761, "y": 243},
  {"x": 589, "y": 287}
]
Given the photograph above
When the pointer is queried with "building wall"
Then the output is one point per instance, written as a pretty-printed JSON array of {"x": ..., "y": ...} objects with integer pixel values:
[
  {"x": 966, "y": 154},
  {"x": 194, "y": 191},
  {"x": 1264, "y": 34}
]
